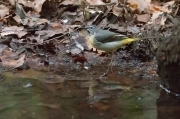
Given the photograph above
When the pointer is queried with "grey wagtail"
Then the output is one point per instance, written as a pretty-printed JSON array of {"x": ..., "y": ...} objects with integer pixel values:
[{"x": 106, "y": 40}]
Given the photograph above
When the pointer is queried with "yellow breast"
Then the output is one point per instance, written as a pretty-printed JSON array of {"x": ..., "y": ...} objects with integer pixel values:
[{"x": 91, "y": 40}]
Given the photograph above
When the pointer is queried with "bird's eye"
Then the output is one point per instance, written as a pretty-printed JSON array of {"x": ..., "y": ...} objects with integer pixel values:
[{"x": 91, "y": 27}]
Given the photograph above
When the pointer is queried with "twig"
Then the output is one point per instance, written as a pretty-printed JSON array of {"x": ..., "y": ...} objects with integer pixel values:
[
  {"x": 4, "y": 3},
  {"x": 55, "y": 37}
]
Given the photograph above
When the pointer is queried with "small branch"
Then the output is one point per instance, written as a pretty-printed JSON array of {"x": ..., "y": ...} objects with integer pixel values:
[{"x": 4, "y": 3}]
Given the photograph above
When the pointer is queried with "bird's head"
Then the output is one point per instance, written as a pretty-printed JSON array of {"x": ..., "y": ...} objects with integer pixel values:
[{"x": 92, "y": 29}]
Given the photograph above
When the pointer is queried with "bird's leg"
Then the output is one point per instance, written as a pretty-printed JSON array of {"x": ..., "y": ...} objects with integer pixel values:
[
  {"x": 106, "y": 71},
  {"x": 107, "y": 53},
  {"x": 108, "y": 68},
  {"x": 110, "y": 64}
]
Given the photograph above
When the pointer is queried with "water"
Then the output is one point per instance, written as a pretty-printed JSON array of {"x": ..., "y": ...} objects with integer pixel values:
[{"x": 82, "y": 94}]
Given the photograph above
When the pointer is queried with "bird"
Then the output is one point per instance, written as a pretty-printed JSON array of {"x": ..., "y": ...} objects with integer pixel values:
[{"x": 106, "y": 40}]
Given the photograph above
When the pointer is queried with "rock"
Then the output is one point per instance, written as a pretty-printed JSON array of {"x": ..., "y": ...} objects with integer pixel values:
[{"x": 168, "y": 57}]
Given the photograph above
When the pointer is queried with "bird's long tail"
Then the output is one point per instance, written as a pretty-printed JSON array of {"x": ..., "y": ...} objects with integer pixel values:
[{"x": 129, "y": 40}]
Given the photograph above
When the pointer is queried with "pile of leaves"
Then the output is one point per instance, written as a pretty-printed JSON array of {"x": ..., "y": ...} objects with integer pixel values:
[{"x": 39, "y": 32}]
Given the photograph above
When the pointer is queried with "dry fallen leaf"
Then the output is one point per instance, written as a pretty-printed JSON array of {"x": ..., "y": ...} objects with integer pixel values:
[
  {"x": 133, "y": 29},
  {"x": 9, "y": 59},
  {"x": 12, "y": 2},
  {"x": 118, "y": 11},
  {"x": 95, "y": 2},
  {"x": 35, "y": 4},
  {"x": 162, "y": 7},
  {"x": 143, "y": 18},
  {"x": 75, "y": 51},
  {"x": 34, "y": 62},
  {"x": 55, "y": 26},
  {"x": 140, "y": 5},
  {"x": 70, "y": 2},
  {"x": 2, "y": 47},
  {"x": 45, "y": 34},
  {"x": 11, "y": 30},
  {"x": 93, "y": 58},
  {"x": 158, "y": 10},
  {"x": 3, "y": 11}
]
